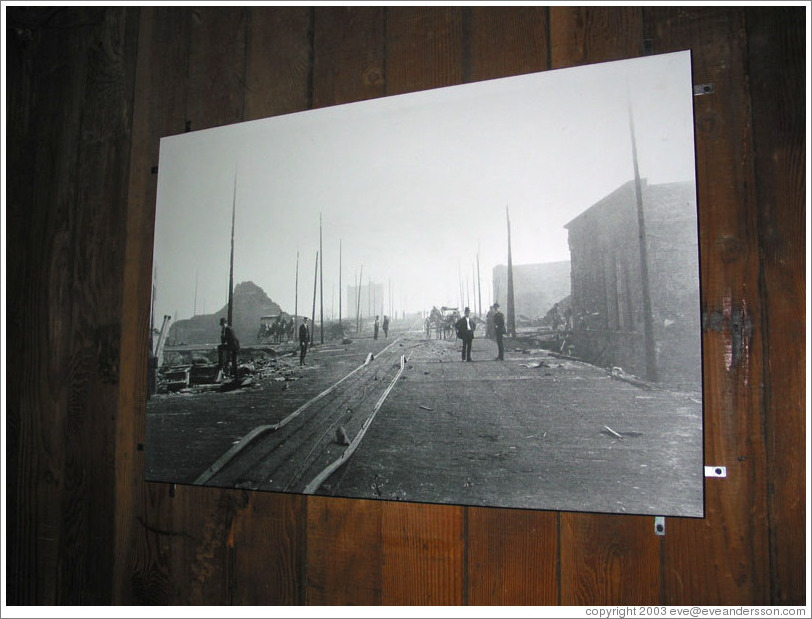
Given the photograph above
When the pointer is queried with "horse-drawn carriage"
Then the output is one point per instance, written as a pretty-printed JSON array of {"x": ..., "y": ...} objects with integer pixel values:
[{"x": 441, "y": 322}]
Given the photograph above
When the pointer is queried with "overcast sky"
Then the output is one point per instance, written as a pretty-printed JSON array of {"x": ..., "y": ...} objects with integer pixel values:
[{"x": 414, "y": 187}]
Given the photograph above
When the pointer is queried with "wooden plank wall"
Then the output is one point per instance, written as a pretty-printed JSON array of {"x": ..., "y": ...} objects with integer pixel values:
[{"x": 91, "y": 90}]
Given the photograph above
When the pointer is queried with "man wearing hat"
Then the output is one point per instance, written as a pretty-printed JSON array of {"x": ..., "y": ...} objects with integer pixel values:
[
  {"x": 499, "y": 331},
  {"x": 465, "y": 331}
]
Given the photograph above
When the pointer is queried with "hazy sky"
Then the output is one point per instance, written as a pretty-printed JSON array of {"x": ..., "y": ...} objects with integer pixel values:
[{"x": 414, "y": 187}]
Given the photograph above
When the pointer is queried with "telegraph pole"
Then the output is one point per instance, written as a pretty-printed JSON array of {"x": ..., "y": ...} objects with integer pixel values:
[
  {"x": 340, "y": 290},
  {"x": 511, "y": 309},
  {"x": 648, "y": 323},
  {"x": 231, "y": 267},
  {"x": 315, "y": 281},
  {"x": 296, "y": 293},
  {"x": 321, "y": 283}
]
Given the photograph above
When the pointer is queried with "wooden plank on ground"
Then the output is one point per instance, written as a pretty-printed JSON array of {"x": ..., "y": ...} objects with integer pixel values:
[
  {"x": 144, "y": 536},
  {"x": 776, "y": 61},
  {"x": 723, "y": 558},
  {"x": 605, "y": 559}
]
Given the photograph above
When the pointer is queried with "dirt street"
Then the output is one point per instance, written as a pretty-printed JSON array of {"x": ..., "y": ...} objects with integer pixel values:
[{"x": 534, "y": 431}]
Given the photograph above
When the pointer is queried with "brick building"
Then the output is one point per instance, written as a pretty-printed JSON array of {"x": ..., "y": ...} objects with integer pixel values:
[{"x": 635, "y": 283}]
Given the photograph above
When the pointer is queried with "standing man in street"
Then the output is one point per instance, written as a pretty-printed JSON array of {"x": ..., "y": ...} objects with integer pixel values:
[
  {"x": 465, "y": 331},
  {"x": 304, "y": 340},
  {"x": 228, "y": 349},
  {"x": 499, "y": 331}
]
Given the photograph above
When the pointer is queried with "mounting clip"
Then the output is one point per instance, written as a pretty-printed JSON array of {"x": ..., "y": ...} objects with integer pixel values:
[
  {"x": 659, "y": 525},
  {"x": 715, "y": 471},
  {"x": 704, "y": 89}
]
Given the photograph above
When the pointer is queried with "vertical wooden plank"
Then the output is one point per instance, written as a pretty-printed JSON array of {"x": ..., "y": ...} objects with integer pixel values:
[
  {"x": 506, "y": 41},
  {"x": 42, "y": 135},
  {"x": 203, "y": 517},
  {"x": 604, "y": 559},
  {"x": 344, "y": 552},
  {"x": 98, "y": 263},
  {"x": 65, "y": 232},
  {"x": 776, "y": 57},
  {"x": 217, "y": 54},
  {"x": 424, "y": 555},
  {"x": 512, "y": 557},
  {"x": 586, "y": 35},
  {"x": 609, "y": 560},
  {"x": 267, "y": 541},
  {"x": 424, "y": 546},
  {"x": 267, "y": 547},
  {"x": 424, "y": 48},
  {"x": 512, "y": 554},
  {"x": 144, "y": 535},
  {"x": 344, "y": 546},
  {"x": 723, "y": 559},
  {"x": 278, "y": 71},
  {"x": 348, "y": 61}
]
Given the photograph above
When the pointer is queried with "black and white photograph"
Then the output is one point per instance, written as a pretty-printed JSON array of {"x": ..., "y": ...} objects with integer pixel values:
[{"x": 485, "y": 294}]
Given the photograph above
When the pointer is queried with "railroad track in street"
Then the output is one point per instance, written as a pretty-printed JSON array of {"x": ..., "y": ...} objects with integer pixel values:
[{"x": 301, "y": 451}]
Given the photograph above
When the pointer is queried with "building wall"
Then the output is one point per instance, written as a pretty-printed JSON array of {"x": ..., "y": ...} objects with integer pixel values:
[
  {"x": 609, "y": 285},
  {"x": 536, "y": 288},
  {"x": 90, "y": 92}
]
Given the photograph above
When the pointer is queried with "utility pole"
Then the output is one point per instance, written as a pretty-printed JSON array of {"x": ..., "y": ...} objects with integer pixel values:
[
  {"x": 296, "y": 293},
  {"x": 231, "y": 267},
  {"x": 358, "y": 302},
  {"x": 340, "y": 290},
  {"x": 478, "y": 284},
  {"x": 648, "y": 323},
  {"x": 321, "y": 283},
  {"x": 315, "y": 281},
  {"x": 511, "y": 309}
]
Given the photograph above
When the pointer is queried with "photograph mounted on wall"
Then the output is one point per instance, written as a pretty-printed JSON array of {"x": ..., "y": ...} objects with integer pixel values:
[{"x": 485, "y": 294}]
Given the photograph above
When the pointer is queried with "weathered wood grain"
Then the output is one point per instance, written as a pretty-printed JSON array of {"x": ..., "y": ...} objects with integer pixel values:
[
  {"x": 776, "y": 77},
  {"x": 278, "y": 76},
  {"x": 344, "y": 552},
  {"x": 512, "y": 557},
  {"x": 145, "y": 536},
  {"x": 66, "y": 235},
  {"x": 609, "y": 560},
  {"x": 723, "y": 559},
  {"x": 348, "y": 55},
  {"x": 424, "y": 48},
  {"x": 423, "y": 554}
]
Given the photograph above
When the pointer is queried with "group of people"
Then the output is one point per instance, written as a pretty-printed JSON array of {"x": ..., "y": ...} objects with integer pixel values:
[
  {"x": 378, "y": 325},
  {"x": 466, "y": 326}
]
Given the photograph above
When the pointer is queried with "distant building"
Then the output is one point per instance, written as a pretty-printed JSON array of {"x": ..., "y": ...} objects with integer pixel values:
[
  {"x": 370, "y": 302},
  {"x": 536, "y": 288},
  {"x": 609, "y": 292}
]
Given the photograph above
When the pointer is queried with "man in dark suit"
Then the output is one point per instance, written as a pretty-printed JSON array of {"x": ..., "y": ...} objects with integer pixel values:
[
  {"x": 304, "y": 340},
  {"x": 465, "y": 331},
  {"x": 499, "y": 331}
]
